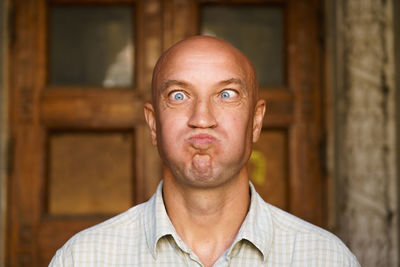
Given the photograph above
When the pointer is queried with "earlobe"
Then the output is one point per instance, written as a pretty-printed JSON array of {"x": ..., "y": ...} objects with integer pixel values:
[
  {"x": 258, "y": 119},
  {"x": 150, "y": 117}
]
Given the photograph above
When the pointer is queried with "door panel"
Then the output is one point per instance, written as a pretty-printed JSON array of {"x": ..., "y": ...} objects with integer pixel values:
[
  {"x": 268, "y": 167},
  {"x": 108, "y": 173},
  {"x": 81, "y": 71},
  {"x": 91, "y": 46}
]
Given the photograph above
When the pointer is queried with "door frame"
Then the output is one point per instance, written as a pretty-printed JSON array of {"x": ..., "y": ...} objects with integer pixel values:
[{"x": 4, "y": 130}]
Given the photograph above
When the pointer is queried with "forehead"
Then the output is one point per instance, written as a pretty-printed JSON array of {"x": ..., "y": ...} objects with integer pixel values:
[
  {"x": 191, "y": 63},
  {"x": 199, "y": 57}
]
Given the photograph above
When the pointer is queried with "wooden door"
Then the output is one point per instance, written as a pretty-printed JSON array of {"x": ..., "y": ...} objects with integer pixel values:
[{"x": 80, "y": 73}]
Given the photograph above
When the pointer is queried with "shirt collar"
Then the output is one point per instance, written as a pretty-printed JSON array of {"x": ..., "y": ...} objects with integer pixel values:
[
  {"x": 256, "y": 229},
  {"x": 157, "y": 223}
]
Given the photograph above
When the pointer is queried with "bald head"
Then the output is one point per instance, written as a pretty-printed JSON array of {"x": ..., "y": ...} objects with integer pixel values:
[
  {"x": 204, "y": 48},
  {"x": 205, "y": 113}
]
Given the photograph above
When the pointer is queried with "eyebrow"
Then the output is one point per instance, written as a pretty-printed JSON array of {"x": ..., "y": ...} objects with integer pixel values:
[
  {"x": 169, "y": 83},
  {"x": 232, "y": 81}
]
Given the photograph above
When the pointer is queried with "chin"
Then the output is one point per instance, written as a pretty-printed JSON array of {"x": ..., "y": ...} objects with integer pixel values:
[{"x": 205, "y": 180}]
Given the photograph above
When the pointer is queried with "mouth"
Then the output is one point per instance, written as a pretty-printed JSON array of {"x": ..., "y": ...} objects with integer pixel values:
[{"x": 202, "y": 140}]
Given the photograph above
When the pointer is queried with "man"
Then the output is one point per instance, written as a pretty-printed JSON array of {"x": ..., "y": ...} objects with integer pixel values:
[{"x": 204, "y": 117}]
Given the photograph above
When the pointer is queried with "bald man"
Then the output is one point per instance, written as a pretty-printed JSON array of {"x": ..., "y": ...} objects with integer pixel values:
[{"x": 204, "y": 116}]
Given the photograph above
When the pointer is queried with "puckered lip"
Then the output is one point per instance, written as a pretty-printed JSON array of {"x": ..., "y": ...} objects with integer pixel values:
[{"x": 202, "y": 139}]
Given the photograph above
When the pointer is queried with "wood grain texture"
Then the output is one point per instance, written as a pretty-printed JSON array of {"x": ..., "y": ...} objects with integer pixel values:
[
  {"x": 293, "y": 117},
  {"x": 91, "y": 108},
  {"x": 307, "y": 200}
]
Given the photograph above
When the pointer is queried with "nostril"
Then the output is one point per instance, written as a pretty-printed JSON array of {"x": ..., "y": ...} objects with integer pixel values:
[{"x": 202, "y": 116}]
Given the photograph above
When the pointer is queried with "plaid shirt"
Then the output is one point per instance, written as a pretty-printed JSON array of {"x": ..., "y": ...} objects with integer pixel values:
[{"x": 145, "y": 236}]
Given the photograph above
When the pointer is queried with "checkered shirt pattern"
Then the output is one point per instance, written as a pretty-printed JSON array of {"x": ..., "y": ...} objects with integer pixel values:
[{"x": 145, "y": 236}]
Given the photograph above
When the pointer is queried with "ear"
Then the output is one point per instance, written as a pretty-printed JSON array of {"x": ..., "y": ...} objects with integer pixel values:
[
  {"x": 258, "y": 119},
  {"x": 150, "y": 116}
]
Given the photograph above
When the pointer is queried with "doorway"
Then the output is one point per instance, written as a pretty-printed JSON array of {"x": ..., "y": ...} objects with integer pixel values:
[{"x": 80, "y": 74}]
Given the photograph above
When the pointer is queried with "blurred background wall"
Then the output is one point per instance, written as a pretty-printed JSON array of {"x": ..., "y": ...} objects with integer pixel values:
[{"x": 365, "y": 128}]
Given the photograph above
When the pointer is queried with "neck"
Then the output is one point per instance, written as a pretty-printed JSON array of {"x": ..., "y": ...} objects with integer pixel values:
[{"x": 203, "y": 217}]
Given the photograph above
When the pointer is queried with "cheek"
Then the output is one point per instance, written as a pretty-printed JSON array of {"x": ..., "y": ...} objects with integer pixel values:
[
  {"x": 237, "y": 122},
  {"x": 236, "y": 127},
  {"x": 171, "y": 129}
]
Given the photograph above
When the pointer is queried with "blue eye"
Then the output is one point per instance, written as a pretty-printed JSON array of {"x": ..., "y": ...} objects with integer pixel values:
[
  {"x": 178, "y": 96},
  {"x": 227, "y": 94}
]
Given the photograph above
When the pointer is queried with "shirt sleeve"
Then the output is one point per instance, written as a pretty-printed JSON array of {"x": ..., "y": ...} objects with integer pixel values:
[
  {"x": 354, "y": 262},
  {"x": 56, "y": 260},
  {"x": 62, "y": 259}
]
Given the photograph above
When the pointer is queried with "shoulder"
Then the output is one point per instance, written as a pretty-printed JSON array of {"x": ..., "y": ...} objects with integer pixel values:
[
  {"x": 116, "y": 232},
  {"x": 125, "y": 222},
  {"x": 307, "y": 243}
]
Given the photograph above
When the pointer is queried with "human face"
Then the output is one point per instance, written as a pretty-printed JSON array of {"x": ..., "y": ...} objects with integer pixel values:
[{"x": 204, "y": 116}]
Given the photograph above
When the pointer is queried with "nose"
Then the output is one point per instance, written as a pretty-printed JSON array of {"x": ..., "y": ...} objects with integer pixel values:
[{"x": 202, "y": 115}]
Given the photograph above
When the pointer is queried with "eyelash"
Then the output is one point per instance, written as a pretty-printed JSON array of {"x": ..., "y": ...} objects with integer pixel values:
[
  {"x": 235, "y": 93},
  {"x": 171, "y": 95}
]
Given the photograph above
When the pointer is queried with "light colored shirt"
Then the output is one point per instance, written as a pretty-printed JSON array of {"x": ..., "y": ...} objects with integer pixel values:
[{"x": 145, "y": 236}]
